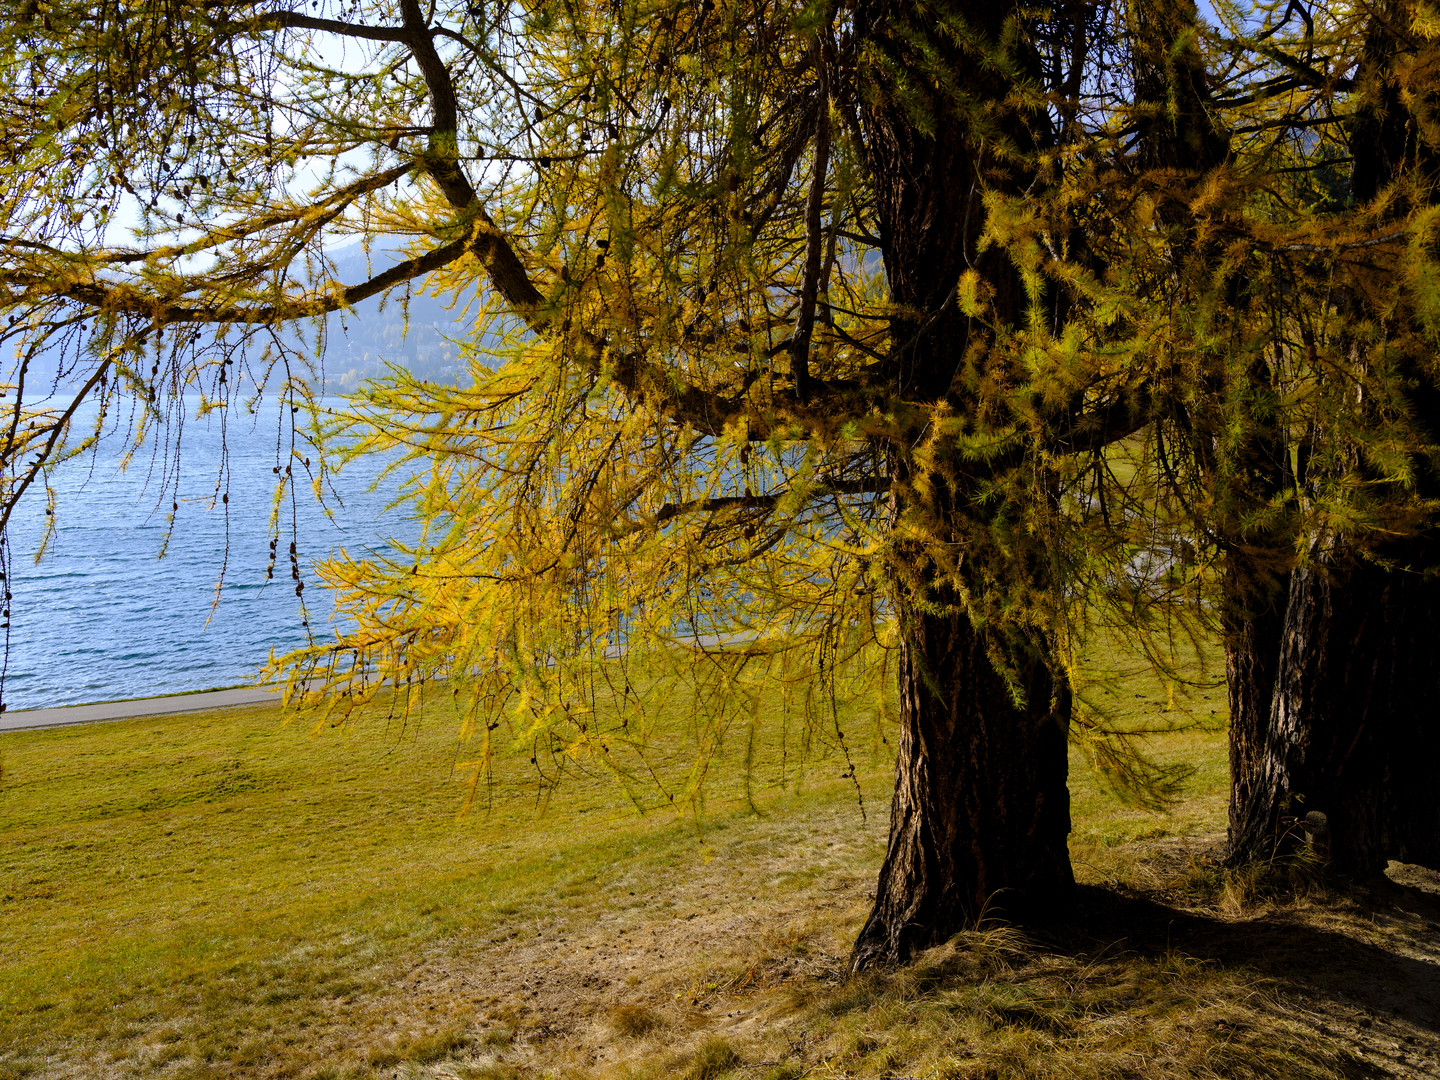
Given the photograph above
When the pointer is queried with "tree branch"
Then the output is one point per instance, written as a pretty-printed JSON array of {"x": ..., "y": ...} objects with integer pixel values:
[
  {"x": 749, "y": 501},
  {"x": 289, "y": 20}
]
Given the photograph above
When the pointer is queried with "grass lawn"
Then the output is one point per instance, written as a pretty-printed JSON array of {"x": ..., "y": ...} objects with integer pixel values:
[{"x": 229, "y": 895}]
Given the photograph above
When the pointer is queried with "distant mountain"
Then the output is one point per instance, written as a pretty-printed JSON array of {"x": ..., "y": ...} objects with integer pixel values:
[{"x": 361, "y": 342}]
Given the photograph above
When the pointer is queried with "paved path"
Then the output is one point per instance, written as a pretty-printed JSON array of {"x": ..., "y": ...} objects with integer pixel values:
[
  {"x": 124, "y": 710},
  {"x": 220, "y": 699}
]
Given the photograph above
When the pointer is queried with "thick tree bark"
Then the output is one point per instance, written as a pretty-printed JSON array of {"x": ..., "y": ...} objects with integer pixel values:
[
  {"x": 1352, "y": 726},
  {"x": 1412, "y": 829},
  {"x": 1252, "y": 623},
  {"x": 1178, "y": 139},
  {"x": 1322, "y": 718},
  {"x": 1254, "y": 588},
  {"x": 981, "y": 811}
]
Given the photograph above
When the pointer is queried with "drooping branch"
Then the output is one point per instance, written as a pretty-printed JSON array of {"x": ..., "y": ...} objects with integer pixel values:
[{"x": 57, "y": 428}]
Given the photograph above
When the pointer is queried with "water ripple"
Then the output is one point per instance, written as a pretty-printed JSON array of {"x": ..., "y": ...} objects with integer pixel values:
[{"x": 101, "y": 617}]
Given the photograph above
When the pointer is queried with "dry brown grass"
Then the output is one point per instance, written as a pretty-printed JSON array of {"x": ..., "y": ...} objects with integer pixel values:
[{"x": 633, "y": 1021}]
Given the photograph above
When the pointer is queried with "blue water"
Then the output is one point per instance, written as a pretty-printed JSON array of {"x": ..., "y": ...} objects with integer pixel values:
[{"x": 101, "y": 616}]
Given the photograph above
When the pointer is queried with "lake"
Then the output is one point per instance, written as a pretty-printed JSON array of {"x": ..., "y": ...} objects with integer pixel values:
[{"x": 102, "y": 616}]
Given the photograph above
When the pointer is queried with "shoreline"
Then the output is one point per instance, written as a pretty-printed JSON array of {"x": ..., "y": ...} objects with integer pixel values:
[
  {"x": 196, "y": 700},
  {"x": 127, "y": 709}
]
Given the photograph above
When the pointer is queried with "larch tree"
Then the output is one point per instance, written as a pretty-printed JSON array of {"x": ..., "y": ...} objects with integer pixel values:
[
  {"x": 1298, "y": 235},
  {"x": 1348, "y": 739},
  {"x": 803, "y": 328},
  {"x": 1232, "y": 292}
]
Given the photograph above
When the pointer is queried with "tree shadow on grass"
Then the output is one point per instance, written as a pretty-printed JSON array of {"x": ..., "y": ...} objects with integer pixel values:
[{"x": 1363, "y": 961}]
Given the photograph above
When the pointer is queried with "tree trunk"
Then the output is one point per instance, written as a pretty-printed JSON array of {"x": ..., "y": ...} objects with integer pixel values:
[
  {"x": 981, "y": 812},
  {"x": 1351, "y": 733},
  {"x": 1252, "y": 624},
  {"x": 1412, "y": 826}
]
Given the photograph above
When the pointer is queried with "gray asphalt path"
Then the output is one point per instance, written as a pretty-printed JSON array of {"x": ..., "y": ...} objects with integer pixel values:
[
  {"x": 219, "y": 699},
  {"x": 125, "y": 710}
]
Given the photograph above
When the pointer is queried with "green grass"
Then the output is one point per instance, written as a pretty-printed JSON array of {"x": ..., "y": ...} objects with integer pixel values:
[
  {"x": 222, "y": 894},
  {"x": 208, "y": 881}
]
